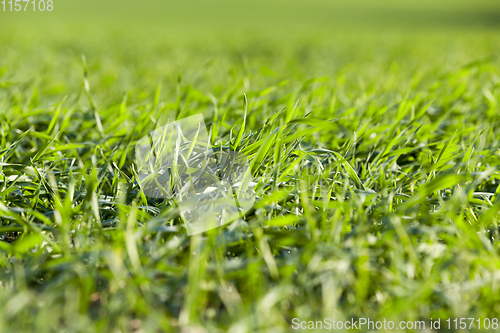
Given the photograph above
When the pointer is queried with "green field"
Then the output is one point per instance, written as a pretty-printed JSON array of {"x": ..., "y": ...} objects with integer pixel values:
[{"x": 373, "y": 134}]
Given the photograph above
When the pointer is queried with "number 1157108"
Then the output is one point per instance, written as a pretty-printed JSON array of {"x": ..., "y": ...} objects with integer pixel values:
[{"x": 27, "y": 5}]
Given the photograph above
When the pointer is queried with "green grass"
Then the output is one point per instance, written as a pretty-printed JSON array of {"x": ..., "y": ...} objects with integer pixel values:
[{"x": 375, "y": 151}]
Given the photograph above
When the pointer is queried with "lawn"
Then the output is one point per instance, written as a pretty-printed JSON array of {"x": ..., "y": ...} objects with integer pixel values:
[{"x": 373, "y": 138}]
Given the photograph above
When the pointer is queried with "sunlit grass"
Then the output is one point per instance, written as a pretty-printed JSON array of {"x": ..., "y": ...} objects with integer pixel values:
[{"x": 376, "y": 161}]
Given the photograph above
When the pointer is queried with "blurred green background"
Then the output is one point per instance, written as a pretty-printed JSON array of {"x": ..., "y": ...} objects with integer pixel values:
[
  {"x": 131, "y": 44},
  {"x": 278, "y": 18}
]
